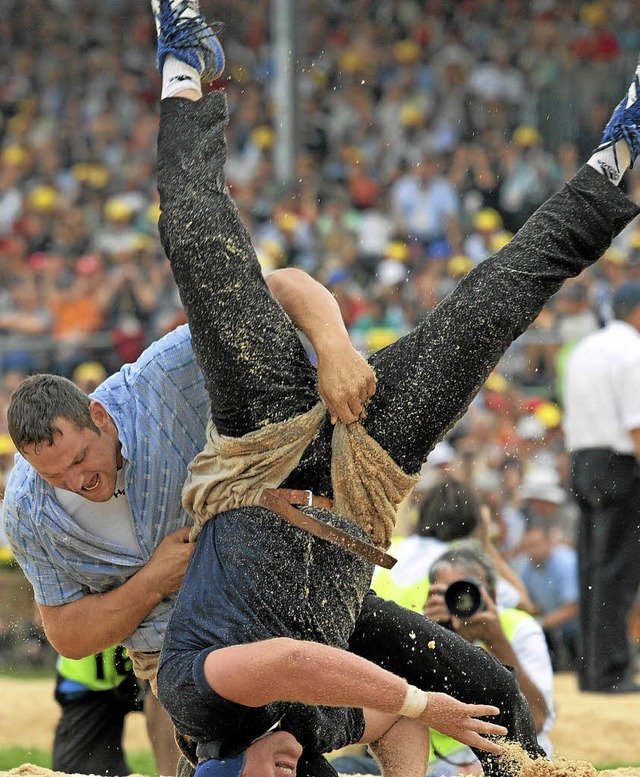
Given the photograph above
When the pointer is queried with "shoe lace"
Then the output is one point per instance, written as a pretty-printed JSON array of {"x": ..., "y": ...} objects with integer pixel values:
[
  {"x": 623, "y": 129},
  {"x": 186, "y": 31}
]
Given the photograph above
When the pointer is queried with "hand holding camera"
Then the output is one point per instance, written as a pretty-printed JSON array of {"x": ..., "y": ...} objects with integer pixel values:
[{"x": 465, "y": 606}]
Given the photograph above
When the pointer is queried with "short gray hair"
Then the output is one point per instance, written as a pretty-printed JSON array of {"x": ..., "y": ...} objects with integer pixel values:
[{"x": 469, "y": 557}]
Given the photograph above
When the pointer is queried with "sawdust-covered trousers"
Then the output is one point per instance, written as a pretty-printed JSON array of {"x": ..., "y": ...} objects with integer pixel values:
[{"x": 256, "y": 369}]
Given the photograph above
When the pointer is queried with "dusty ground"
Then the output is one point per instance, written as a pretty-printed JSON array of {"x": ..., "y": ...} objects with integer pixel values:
[{"x": 598, "y": 728}]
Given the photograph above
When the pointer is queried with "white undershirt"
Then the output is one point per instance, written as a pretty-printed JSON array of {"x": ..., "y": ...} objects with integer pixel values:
[{"x": 111, "y": 520}]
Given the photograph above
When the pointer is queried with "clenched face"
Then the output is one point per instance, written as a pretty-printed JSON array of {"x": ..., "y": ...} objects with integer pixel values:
[{"x": 80, "y": 460}]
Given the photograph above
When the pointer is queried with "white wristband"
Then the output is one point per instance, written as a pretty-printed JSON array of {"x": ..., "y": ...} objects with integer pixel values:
[{"x": 415, "y": 702}]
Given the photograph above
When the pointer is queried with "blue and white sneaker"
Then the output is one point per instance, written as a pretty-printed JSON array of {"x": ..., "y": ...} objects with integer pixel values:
[
  {"x": 624, "y": 123},
  {"x": 183, "y": 32}
]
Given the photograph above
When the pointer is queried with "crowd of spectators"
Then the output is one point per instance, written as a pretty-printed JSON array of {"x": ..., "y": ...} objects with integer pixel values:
[{"x": 428, "y": 132}]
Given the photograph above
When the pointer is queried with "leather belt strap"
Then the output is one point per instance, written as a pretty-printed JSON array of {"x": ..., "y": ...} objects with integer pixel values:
[
  {"x": 304, "y": 498},
  {"x": 276, "y": 504}
]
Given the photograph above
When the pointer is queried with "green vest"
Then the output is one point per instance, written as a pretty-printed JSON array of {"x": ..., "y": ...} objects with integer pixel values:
[
  {"x": 442, "y": 745},
  {"x": 101, "y": 672},
  {"x": 412, "y": 596}
]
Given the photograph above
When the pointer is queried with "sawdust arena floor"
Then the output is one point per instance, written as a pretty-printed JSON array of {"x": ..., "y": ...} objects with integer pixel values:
[{"x": 520, "y": 764}]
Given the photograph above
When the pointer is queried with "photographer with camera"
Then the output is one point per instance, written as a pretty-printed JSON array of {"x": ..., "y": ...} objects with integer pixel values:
[
  {"x": 462, "y": 598},
  {"x": 461, "y": 594}
]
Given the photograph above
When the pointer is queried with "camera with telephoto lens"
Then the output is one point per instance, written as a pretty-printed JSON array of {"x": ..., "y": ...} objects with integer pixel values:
[{"x": 464, "y": 597}]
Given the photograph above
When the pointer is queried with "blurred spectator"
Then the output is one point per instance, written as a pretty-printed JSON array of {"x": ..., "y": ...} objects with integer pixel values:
[
  {"x": 530, "y": 177},
  {"x": 425, "y": 206},
  {"x": 488, "y": 235},
  {"x": 549, "y": 570},
  {"x": 545, "y": 504},
  {"x": 496, "y": 86},
  {"x": 602, "y": 427},
  {"x": 7, "y": 452},
  {"x": 576, "y": 317},
  {"x": 511, "y": 515},
  {"x": 540, "y": 345},
  {"x": 136, "y": 285},
  {"x": 78, "y": 300},
  {"x": 449, "y": 511},
  {"x": 613, "y": 270},
  {"x": 23, "y": 317}
]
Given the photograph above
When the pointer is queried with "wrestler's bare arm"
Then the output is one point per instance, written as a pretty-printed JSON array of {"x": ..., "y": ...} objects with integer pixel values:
[
  {"x": 345, "y": 380},
  {"x": 283, "y": 669},
  {"x": 98, "y": 621}
]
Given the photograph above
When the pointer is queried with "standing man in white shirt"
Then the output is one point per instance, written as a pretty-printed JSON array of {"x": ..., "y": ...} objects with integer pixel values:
[{"x": 602, "y": 428}]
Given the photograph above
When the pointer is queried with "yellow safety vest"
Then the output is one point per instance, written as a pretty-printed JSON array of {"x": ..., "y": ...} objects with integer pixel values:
[
  {"x": 412, "y": 596},
  {"x": 101, "y": 672}
]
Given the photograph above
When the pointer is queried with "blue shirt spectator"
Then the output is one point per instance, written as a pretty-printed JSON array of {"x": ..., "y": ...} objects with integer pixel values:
[{"x": 550, "y": 573}]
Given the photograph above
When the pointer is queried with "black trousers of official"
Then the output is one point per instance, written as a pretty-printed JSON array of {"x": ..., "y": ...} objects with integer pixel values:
[
  {"x": 256, "y": 370},
  {"x": 607, "y": 487},
  {"x": 89, "y": 734}
]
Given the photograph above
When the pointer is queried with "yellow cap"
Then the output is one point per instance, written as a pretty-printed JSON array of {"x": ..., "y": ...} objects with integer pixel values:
[
  {"x": 93, "y": 371},
  {"x": 263, "y": 136},
  {"x": 549, "y": 414},
  {"x": 117, "y": 210},
  {"x": 380, "y": 337},
  {"x": 500, "y": 240},
  {"x": 593, "y": 14},
  {"x": 270, "y": 255},
  {"x": 142, "y": 242},
  {"x": 351, "y": 62},
  {"x": 617, "y": 256},
  {"x": 496, "y": 382},
  {"x": 44, "y": 198},
  {"x": 287, "y": 220},
  {"x": 406, "y": 51},
  {"x": 398, "y": 250},
  {"x": 411, "y": 114},
  {"x": 6, "y": 445},
  {"x": 96, "y": 176},
  {"x": 153, "y": 212},
  {"x": 526, "y": 136},
  {"x": 15, "y": 155},
  {"x": 459, "y": 265},
  {"x": 487, "y": 220}
]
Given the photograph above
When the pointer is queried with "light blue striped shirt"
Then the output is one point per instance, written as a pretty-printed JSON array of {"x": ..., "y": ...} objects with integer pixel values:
[{"x": 160, "y": 407}]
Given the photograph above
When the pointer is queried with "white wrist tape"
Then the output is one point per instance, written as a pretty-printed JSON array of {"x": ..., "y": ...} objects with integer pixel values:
[{"x": 415, "y": 702}]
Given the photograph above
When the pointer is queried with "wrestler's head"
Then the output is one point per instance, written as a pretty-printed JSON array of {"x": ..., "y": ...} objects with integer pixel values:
[
  {"x": 275, "y": 755},
  {"x": 68, "y": 438}
]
